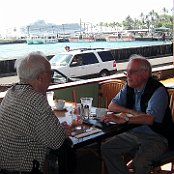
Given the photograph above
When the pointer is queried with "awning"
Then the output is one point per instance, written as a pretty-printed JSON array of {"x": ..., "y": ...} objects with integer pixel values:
[{"x": 162, "y": 29}]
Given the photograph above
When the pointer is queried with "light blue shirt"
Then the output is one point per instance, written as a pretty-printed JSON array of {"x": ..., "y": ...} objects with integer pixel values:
[{"x": 156, "y": 105}]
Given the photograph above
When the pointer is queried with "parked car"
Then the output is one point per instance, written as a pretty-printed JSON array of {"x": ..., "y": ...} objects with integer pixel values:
[
  {"x": 85, "y": 63},
  {"x": 60, "y": 78}
]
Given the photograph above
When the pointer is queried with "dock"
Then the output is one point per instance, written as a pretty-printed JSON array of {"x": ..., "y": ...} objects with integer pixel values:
[{"x": 162, "y": 67}]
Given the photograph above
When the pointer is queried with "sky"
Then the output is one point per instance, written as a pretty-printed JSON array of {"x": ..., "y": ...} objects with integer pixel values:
[{"x": 16, "y": 13}]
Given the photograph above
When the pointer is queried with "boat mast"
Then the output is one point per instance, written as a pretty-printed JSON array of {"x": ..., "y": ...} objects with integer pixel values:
[{"x": 80, "y": 26}]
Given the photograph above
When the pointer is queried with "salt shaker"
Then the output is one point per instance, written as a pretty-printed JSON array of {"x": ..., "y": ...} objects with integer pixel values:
[{"x": 86, "y": 111}]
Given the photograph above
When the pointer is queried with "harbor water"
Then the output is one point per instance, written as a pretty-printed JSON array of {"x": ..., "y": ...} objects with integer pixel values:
[{"x": 14, "y": 51}]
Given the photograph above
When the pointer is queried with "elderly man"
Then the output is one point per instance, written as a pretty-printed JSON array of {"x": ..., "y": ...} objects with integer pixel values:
[
  {"x": 142, "y": 101},
  {"x": 28, "y": 127}
]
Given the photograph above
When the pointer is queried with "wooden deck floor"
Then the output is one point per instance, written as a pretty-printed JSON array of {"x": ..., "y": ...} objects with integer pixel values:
[{"x": 168, "y": 82}]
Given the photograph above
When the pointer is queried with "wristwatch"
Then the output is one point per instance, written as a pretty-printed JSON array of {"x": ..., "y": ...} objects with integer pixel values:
[{"x": 126, "y": 118}]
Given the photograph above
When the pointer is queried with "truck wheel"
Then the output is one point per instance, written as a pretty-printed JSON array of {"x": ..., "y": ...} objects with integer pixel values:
[{"x": 103, "y": 73}]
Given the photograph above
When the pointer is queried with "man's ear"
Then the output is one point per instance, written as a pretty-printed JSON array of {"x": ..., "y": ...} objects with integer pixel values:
[
  {"x": 145, "y": 74},
  {"x": 40, "y": 77}
]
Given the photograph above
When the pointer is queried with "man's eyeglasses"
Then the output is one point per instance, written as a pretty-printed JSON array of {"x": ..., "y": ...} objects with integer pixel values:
[
  {"x": 49, "y": 72},
  {"x": 132, "y": 71}
]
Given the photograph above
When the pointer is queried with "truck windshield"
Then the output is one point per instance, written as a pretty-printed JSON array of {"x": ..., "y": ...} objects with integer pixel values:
[{"x": 60, "y": 59}]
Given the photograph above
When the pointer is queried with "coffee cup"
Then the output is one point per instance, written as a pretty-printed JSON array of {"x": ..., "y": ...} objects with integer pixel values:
[{"x": 59, "y": 104}]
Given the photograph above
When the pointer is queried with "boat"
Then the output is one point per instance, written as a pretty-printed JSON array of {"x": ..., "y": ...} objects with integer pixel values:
[
  {"x": 35, "y": 39},
  {"x": 51, "y": 39},
  {"x": 120, "y": 37},
  {"x": 81, "y": 38}
]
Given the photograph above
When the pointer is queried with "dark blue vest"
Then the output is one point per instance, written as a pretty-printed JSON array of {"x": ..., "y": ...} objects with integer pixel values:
[{"x": 166, "y": 128}]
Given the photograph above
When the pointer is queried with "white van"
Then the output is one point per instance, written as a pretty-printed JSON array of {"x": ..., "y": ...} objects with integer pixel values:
[{"x": 85, "y": 63}]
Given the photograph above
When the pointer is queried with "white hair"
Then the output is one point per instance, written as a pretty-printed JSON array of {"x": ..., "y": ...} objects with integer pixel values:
[
  {"x": 29, "y": 67},
  {"x": 144, "y": 63}
]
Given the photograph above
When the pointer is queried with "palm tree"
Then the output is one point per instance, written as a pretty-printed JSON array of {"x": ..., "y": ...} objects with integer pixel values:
[
  {"x": 142, "y": 16},
  {"x": 127, "y": 23},
  {"x": 165, "y": 11},
  {"x": 153, "y": 16}
]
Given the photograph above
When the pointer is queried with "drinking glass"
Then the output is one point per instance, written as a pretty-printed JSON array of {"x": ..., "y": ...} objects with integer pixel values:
[
  {"x": 86, "y": 101},
  {"x": 86, "y": 104},
  {"x": 50, "y": 95}
]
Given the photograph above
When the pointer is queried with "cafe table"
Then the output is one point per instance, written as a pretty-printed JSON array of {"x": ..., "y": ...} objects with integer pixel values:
[
  {"x": 91, "y": 130},
  {"x": 88, "y": 135}
]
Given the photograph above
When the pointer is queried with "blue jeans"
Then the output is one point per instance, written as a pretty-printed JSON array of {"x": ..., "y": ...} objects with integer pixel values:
[{"x": 148, "y": 148}]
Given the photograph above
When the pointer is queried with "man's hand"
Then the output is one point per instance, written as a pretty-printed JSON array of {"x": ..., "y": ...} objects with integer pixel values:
[
  {"x": 113, "y": 118},
  {"x": 67, "y": 127}
]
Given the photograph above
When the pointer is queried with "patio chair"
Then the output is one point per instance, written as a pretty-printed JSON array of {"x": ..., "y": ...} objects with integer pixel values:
[
  {"x": 107, "y": 90},
  {"x": 168, "y": 157}
]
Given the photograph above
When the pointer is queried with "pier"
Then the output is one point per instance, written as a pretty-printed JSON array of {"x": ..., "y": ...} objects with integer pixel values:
[
  {"x": 162, "y": 67},
  {"x": 120, "y": 55}
]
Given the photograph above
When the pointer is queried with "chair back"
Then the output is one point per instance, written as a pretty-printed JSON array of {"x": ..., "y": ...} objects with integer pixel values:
[
  {"x": 108, "y": 89},
  {"x": 171, "y": 105},
  {"x": 167, "y": 157}
]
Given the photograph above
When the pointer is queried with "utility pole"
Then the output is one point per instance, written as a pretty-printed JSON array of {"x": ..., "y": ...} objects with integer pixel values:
[
  {"x": 52, "y": 29},
  {"x": 80, "y": 25},
  {"x": 63, "y": 31},
  {"x": 28, "y": 30}
]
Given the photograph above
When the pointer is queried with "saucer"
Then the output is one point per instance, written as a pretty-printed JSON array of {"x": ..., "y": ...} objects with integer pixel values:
[
  {"x": 63, "y": 109},
  {"x": 59, "y": 112}
]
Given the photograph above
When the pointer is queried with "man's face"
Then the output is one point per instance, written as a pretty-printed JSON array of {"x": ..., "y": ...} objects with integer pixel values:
[
  {"x": 45, "y": 79},
  {"x": 136, "y": 76}
]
